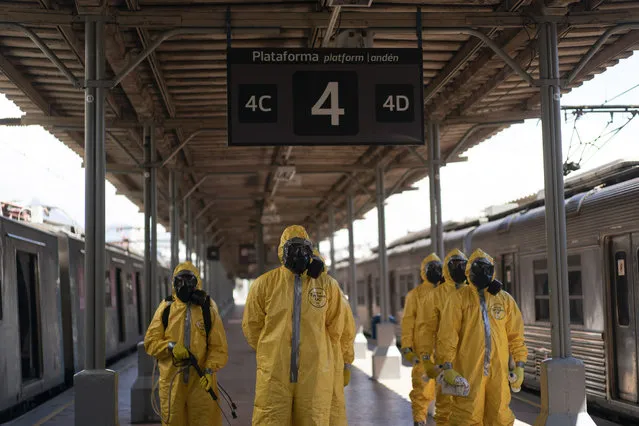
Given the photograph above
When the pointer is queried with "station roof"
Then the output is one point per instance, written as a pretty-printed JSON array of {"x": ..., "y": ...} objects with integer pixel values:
[{"x": 181, "y": 87}]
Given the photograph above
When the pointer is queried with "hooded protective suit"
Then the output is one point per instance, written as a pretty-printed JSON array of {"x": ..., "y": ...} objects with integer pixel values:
[
  {"x": 423, "y": 393},
  {"x": 477, "y": 332},
  {"x": 189, "y": 403},
  {"x": 344, "y": 356},
  {"x": 428, "y": 321},
  {"x": 293, "y": 323}
]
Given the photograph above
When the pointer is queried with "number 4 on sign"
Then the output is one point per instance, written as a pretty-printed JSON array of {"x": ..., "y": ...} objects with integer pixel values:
[{"x": 332, "y": 90}]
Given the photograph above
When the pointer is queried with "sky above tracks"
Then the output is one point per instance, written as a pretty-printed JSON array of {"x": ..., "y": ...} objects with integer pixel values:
[{"x": 34, "y": 166}]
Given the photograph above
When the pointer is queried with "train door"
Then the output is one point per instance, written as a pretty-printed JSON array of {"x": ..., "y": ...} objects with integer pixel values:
[
  {"x": 509, "y": 275},
  {"x": 121, "y": 309},
  {"x": 138, "y": 292},
  {"x": 623, "y": 270},
  {"x": 28, "y": 283}
]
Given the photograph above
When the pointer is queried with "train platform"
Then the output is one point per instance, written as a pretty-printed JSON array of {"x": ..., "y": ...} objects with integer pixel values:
[{"x": 369, "y": 402}]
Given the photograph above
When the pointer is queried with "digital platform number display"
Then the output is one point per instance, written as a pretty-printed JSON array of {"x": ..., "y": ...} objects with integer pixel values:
[{"x": 325, "y": 97}]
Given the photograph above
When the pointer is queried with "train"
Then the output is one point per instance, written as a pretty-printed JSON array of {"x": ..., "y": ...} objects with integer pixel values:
[
  {"x": 42, "y": 306},
  {"x": 602, "y": 211}
]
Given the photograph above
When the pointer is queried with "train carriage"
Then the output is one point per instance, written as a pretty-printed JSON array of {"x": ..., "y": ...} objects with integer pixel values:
[
  {"x": 32, "y": 359},
  {"x": 602, "y": 209}
]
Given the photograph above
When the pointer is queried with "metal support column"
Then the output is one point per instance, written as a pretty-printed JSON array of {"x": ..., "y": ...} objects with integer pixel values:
[
  {"x": 563, "y": 382},
  {"x": 175, "y": 220},
  {"x": 436, "y": 226},
  {"x": 360, "y": 343},
  {"x": 96, "y": 400},
  {"x": 150, "y": 224},
  {"x": 386, "y": 358},
  {"x": 187, "y": 228},
  {"x": 331, "y": 238},
  {"x": 260, "y": 248}
]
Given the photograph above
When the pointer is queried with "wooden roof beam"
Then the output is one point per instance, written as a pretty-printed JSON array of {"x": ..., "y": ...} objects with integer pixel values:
[
  {"x": 622, "y": 44},
  {"x": 523, "y": 58},
  {"x": 463, "y": 55},
  {"x": 24, "y": 85},
  {"x": 154, "y": 17}
]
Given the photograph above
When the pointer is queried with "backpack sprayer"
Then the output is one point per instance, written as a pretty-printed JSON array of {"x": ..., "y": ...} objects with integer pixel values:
[{"x": 185, "y": 364}]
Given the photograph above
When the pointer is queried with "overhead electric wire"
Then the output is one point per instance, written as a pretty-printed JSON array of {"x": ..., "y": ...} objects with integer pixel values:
[{"x": 622, "y": 93}]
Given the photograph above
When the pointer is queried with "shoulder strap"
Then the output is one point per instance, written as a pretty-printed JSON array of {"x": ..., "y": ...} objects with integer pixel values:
[
  {"x": 167, "y": 310},
  {"x": 206, "y": 314}
]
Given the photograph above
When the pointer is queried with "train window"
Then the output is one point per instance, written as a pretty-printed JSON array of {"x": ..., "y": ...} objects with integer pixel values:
[
  {"x": 377, "y": 292},
  {"x": 621, "y": 287},
  {"x": 138, "y": 292},
  {"x": 403, "y": 290},
  {"x": 575, "y": 290},
  {"x": 80, "y": 284},
  {"x": 542, "y": 300},
  {"x": 107, "y": 289},
  {"x": 361, "y": 295},
  {"x": 129, "y": 289},
  {"x": 410, "y": 282},
  {"x": 120, "y": 301},
  {"x": 28, "y": 278}
]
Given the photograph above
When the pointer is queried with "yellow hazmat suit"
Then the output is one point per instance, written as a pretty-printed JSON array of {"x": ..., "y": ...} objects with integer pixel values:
[
  {"x": 478, "y": 331},
  {"x": 344, "y": 356},
  {"x": 423, "y": 393},
  {"x": 427, "y": 325},
  {"x": 189, "y": 403},
  {"x": 293, "y": 324}
]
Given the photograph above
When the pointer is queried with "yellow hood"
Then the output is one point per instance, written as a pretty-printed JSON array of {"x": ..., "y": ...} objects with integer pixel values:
[
  {"x": 291, "y": 232},
  {"x": 450, "y": 255},
  {"x": 183, "y": 267},
  {"x": 430, "y": 258},
  {"x": 479, "y": 254}
]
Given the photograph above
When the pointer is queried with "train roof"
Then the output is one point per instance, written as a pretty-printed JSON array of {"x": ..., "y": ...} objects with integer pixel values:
[{"x": 606, "y": 175}]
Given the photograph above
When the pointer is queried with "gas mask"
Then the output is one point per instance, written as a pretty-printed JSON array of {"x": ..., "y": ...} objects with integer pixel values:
[
  {"x": 433, "y": 272},
  {"x": 481, "y": 273},
  {"x": 185, "y": 284},
  {"x": 298, "y": 257},
  {"x": 457, "y": 269}
]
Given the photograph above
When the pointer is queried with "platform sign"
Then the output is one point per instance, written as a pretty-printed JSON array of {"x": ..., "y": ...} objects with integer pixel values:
[{"x": 325, "y": 97}]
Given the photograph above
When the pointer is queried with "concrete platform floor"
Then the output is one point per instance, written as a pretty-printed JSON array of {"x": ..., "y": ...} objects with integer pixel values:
[{"x": 369, "y": 402}]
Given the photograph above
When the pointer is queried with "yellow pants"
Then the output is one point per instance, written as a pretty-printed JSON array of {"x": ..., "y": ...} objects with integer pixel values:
[
  {"x": 422, "y": 394},
  {"x": 443, "y": 407},
  {"x": 487, "y": 404}
]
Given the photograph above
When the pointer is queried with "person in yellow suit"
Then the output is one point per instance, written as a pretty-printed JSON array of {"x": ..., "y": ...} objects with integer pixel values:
[
  {"x": 480, "y": 327},
  {"x": 293, "y": 317},
  {"x": 422, "y": 394},
  {"x": 428, "y": 321},
  {"x": 184, "y": 396},
  {"x": 344, "y": 356}
]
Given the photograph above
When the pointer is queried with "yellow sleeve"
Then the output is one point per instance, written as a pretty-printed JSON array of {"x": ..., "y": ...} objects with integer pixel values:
[
  {"x": 408, "y": 320},
  {"x": 155, "y": 344},
  {"x": 449, "y": 326},
  {"x": 426, "y": 326},
  {"x": 515, "y": 330},
  {"x": 218, "y": 353},
  {"x": 254, "y": 314},
  {"x": 348, "y": 334},
  {"x": 334, "y": 313}
]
